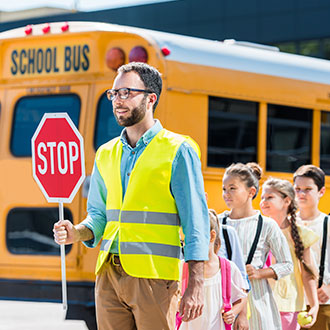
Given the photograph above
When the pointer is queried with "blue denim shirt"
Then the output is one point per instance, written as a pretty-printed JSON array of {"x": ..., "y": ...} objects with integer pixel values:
[{"x": 187, "y": 188}]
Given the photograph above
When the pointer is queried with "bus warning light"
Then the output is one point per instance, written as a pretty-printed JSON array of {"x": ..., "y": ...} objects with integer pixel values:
[
  {"x": 166, "y": 51},
  {"x": 46, "y": 28},
  {"x": 138, "y": 54},
  {"x": 65, "y": 27},
  {"x": 28, "y": 29},
  {"x": 115, "y": 57}
]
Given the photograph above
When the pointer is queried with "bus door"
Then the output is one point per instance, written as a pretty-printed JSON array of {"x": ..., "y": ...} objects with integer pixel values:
[{"x": 27, "y": 247}]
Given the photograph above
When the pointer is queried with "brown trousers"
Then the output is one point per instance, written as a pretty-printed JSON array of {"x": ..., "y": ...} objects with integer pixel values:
[
  {"x": 124, "y": 302},
  {"x": 323, "y": 319}
]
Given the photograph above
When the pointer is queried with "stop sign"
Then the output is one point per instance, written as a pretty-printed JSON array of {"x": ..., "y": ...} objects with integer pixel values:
[{"x": 58, "y": 157}]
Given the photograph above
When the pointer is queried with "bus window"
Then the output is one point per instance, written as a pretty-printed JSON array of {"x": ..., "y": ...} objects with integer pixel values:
[
  {"x": 325, "y": 142},
  {"x": 30, "y": 230},
  {"x": 232, "y": 132},
  {"x": 106, "y": 127},
  {"x": 28, "y": 113},
  {"x": 288, "y": 138}
]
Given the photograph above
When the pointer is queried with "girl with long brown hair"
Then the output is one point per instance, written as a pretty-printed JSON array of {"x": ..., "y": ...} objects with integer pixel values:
[{"x": 278, "y": 202}]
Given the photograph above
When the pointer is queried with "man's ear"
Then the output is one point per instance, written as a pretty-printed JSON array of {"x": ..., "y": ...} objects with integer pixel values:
[{"x": 152, "y": 99}]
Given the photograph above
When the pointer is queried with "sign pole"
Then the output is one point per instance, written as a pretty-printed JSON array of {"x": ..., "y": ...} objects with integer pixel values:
[{"x": 64, "y": 293}]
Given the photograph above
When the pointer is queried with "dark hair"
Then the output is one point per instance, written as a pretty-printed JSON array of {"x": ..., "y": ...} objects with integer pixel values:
[
  {"x": 149, "y": 75},
  {"x": 214, "y": 225},
  {"x": 249, "y": 173},
  {"x": 285, "y": 189},
  {"x": 313, "y": 172}
]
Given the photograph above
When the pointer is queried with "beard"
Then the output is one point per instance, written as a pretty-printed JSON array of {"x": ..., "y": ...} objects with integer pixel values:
[{"x": 137, "y": 114}]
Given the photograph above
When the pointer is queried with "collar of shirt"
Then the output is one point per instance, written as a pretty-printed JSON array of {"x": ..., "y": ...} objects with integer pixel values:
[{"x": 145, "y": 138}]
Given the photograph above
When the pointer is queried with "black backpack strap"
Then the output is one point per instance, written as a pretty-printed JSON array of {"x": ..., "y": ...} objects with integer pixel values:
[
  {"x": 324, "y": 246},
  {"x": 256, "y": 240},
  {"x": 226, "y": 237}
]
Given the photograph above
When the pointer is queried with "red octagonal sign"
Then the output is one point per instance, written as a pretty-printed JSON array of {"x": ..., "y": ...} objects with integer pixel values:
[{"x": 58, "y": 157}]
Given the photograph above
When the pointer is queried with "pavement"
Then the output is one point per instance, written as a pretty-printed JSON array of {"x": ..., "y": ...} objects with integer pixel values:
[{"x": 18, "y": 315}]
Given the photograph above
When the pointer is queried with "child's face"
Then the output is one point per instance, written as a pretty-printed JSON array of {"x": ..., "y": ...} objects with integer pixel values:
[
  {"x": 272, "y": 202},
  {"x": 235, "y": 192},
  {"x": 307, "y": 192}
]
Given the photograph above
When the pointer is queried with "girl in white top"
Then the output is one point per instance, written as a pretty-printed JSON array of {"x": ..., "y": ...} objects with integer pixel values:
[
  {"x": 213, "y": 317},
  {"x": 278, "y": 202},
  {"x": 240, "y": 186},
  {"x": 309, "y": 184}
]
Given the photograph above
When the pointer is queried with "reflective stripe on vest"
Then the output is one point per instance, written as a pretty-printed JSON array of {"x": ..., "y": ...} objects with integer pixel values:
[
  {"x": 146, "y": 220},
  {"x": 156, "y": 218}
]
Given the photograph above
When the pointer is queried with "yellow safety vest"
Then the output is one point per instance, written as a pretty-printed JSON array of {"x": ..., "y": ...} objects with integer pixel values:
[{"x": 147, "y": 220}]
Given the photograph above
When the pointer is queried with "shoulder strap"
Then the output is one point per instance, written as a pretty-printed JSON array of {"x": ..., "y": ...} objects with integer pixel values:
[
  {"x": 256, "y": 240},
  {"x": 324, "y": 245},
  {"x": 226, "y": 237},
  {"x": 225, "y": 282}
]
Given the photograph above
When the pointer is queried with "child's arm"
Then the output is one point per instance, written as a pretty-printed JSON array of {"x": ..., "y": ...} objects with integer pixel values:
[
  {"x": 238, "y": 305},
  {"x": 257, "y": 274},
  {"x": 310, "y": 287},
  {"x": 280, "y": 249}
]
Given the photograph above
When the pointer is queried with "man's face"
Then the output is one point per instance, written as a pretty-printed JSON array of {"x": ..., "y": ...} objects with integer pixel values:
[{"x": 132, "y": 110}]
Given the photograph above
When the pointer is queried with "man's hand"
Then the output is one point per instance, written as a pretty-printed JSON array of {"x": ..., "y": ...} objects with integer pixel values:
[
  {"x": 192, "y": 302},
  {"x": 323, "y": 293},
  {"x": 65, "y": 232}
]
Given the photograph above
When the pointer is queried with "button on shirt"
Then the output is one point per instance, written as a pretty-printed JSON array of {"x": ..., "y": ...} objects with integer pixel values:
[{"x": 187, "y": 188}]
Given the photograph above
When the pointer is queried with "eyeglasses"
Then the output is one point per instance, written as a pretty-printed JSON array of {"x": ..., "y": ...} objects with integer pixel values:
[{"x": 123, "y": 93}]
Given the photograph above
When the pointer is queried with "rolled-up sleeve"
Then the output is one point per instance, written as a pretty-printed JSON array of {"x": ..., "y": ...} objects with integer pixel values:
[
  {"x": 96, "y": 208},
  {"x": 187, "y": 188},
  {"x": 280, "y": 250}
]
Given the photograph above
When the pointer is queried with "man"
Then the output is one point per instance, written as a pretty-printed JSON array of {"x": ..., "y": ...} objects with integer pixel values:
[{"x": 145, "y": 184}]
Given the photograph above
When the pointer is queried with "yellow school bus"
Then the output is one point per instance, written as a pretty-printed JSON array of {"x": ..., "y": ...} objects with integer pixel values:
[{"x": 241, "y": 102}]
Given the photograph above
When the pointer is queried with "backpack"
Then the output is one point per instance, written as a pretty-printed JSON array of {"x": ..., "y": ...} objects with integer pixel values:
[{"x": 225, "y": 285}]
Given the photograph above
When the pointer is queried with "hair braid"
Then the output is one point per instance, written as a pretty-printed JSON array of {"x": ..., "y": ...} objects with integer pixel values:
[{"x": 298, "y": 244}]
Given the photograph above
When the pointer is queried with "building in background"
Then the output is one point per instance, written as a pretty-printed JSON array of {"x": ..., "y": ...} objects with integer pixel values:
[{"x": 295, "y": 26}]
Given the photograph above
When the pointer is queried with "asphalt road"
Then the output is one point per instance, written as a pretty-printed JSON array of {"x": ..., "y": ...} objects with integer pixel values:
[{"x": 16, "y": 315}]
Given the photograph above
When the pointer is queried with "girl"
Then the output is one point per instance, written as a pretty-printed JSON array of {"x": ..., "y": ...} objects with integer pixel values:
[
  {"x": 278, "y": 202},
  {"x": 240, "y": 187},
  {"x": 309, "y": 182},
  {"x": 213, "y": 317}
]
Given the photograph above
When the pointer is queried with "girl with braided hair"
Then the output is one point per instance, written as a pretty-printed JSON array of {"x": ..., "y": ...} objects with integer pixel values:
[{"x": 278, "y": 202}]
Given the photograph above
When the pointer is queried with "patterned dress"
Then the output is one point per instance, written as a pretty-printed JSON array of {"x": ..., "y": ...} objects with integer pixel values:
[{"x": 264, "y": 312}]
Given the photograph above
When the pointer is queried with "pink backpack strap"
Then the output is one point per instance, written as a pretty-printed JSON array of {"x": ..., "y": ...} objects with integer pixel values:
[{"x": 226, "y": 286}]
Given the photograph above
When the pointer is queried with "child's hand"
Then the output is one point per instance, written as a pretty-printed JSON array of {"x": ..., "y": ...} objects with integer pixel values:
[
  {"x": 252, "y": 272},
  {"x": 228, "y": 317}
]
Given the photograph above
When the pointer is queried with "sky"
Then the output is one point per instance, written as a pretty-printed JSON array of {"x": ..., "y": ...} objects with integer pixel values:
[{"x": 82, "y": 5}]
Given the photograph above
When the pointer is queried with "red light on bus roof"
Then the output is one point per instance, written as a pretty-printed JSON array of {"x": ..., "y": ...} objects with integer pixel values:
[
  {"x": 138, "y": 54},
  {"x": 114, "y": 58},
  {"x": 28, "y": 29},
  {"x": 46, "y": 28},
  {"x": 165, "y": 51},
  {"x": 65, "y": 27}
]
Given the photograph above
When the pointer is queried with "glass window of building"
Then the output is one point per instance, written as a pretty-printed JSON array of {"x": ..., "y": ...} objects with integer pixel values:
[
  {"x": 28, "y": 113},
  {"x": 106, "y": 127},
  {"x": 310, "y": 48},
  {"x": 288, "y": 138},
  {"x": 232, "y": 131}
]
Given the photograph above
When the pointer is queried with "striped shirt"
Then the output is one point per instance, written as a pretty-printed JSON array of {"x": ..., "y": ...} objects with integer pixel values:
[{"x": 264, "y": 312}]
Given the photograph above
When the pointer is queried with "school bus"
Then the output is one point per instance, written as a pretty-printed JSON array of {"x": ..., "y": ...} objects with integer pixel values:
[{"x": 241, "y": 102}]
